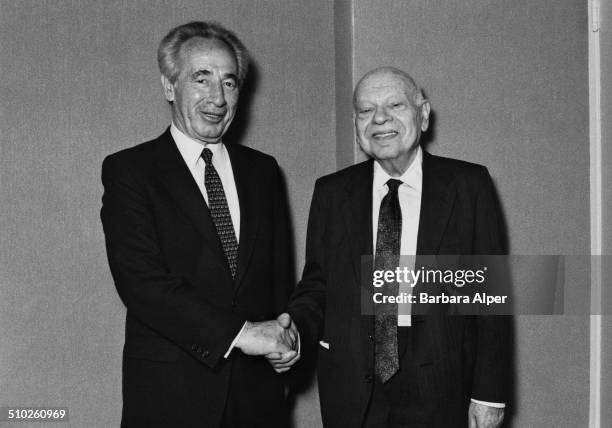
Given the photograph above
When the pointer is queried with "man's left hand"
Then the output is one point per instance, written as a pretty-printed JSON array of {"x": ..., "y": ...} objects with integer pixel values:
[{"x": 482, "y": 416}]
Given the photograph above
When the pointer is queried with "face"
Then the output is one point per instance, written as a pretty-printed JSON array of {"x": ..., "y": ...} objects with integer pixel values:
[
  {"x": 205, "y": 94},
  {"x": 387, "y": 123}
]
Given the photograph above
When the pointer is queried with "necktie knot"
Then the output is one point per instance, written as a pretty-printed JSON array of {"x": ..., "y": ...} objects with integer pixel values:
[
  {"x": 392, "y": 184},
  {"x": 207, "y": 156}
]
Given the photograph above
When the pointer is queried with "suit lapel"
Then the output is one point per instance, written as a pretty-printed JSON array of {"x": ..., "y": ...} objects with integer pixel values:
[
  {"x": 178, "y": 181},
  {"x": 438, "y": 195},
  {"x": 437, "y": 199},
  {"x": 176, "y": 178},
  {"x": 248, "y": 187}
]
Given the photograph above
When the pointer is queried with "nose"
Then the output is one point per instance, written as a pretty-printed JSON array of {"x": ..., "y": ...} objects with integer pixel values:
[
  {"x": 216, "y": 95},
  {"x": 381, "y": 116}
]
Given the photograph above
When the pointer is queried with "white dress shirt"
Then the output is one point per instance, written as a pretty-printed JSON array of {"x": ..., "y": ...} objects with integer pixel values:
[
  {"x": 191, "y": 151},
  {"x": 409, "y": 194}
]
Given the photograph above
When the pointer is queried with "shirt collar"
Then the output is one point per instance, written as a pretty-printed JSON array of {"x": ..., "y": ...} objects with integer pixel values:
[
  {"x": 191, "y": 149},
  {"x": 413, "y": 176}
]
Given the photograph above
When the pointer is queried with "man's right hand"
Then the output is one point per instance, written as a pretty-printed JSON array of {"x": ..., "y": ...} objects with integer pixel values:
[
  {"x": 283, "y": 361},
  {"x": 267, "y": 337}
]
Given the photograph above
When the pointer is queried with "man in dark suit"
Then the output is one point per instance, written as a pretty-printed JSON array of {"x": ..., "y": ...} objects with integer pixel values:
[
  {"x": 198, "y": 245},
  {"x": 390, "y": 370}
]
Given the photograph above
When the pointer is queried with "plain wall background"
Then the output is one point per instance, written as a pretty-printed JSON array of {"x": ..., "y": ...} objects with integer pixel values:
[
  {"x": 508, "y": 83},
  {"x": 80, "y": 81}
]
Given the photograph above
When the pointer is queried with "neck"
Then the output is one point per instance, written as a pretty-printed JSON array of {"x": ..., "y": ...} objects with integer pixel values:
[{"x": 398, "y": 166}]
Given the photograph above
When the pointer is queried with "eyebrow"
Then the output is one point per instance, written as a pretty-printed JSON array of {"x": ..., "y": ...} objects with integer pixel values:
[
  {"x": 207, "y": 72},
  {"x": 230, "y": 76}
]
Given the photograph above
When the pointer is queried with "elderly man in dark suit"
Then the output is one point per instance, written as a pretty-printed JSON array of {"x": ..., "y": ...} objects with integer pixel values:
[
  {"x": 198, "y": 245},
  {"x": 390, "y": 370}
]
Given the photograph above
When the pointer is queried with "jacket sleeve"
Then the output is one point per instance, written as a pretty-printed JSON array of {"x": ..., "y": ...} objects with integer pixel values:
[
  {"x": 491, "y": 373},
  {"x": 307, "y": 305},
  {"x": 283, "y": 252},
  {"x": 155, "y": 297}
]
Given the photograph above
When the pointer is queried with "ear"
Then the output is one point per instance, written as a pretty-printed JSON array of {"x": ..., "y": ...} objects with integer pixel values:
[
  {"x": 424, "y": 111},
  {"x": 356, "y": 130},
  {"x": 168, "y": 88}
]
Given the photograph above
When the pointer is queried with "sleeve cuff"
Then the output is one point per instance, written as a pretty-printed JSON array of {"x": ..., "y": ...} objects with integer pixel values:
[
  {"x": 233, "y": 344},
  {"x": 488, "y": 403}
]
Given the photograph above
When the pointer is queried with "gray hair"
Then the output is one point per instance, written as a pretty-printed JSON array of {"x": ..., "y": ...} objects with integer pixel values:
[{"x": 170, "y": 46}]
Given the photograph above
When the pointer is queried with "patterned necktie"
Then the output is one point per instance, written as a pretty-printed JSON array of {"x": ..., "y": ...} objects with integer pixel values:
[
  {"x": 388, "y": 240},
  {"x": 219, "y": 211}
]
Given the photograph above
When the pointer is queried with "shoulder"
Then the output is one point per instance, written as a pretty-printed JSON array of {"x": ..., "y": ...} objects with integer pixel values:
[
  {"x": 251, "y": 155},
  {"x": 140, "y": 153},
  {"x": 345, "y": 176},
  {"x": 456, "y": 166},
  {"x": 255, "y": 164},
  {"x": 138, "y": 160},
  {"x": 460, "y": 170}
]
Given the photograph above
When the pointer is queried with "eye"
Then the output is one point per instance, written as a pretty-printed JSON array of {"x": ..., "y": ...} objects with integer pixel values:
[
  {"x": 201, "y": 80},
  {"x": 365, "y": 110},
  {"x": 230, "y": 84},
  {"x": 397, "y": 105}
]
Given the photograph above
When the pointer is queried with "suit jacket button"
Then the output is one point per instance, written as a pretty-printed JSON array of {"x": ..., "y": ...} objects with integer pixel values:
[
  {"x": 371, "y": 337},
  {"x": 368, "y": 378},
  {"x": 234, "y": 303}
]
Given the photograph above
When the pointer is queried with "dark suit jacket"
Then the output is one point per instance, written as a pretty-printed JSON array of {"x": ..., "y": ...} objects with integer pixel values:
[
  {"x": 454, "y": 358},
  {"x": 183, "y": 307}
]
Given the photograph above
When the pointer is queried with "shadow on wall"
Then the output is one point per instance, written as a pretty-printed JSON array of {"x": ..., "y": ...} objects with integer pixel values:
[
  {"x": 237, "y": 131},
  {"x": 428, "y": 138}
]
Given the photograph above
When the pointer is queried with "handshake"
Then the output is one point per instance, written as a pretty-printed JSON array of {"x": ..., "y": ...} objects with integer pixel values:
[{"x": 277, "y": 340}]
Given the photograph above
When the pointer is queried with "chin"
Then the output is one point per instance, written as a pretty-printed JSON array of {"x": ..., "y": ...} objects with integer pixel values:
[
  {"x": 209, "y": 134},
  {"x": 385, "y": 154}
]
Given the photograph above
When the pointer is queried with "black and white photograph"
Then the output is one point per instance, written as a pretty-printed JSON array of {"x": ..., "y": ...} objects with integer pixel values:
[{"x": 306, "y": 214}]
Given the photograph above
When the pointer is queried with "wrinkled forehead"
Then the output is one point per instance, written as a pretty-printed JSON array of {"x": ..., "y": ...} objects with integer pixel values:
[{"x": 382, "y": 85}]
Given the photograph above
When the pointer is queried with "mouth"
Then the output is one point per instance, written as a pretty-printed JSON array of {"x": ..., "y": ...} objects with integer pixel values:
[
  {"x": 384, "y": 135},
  {"x": 214, "y": 117}
]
